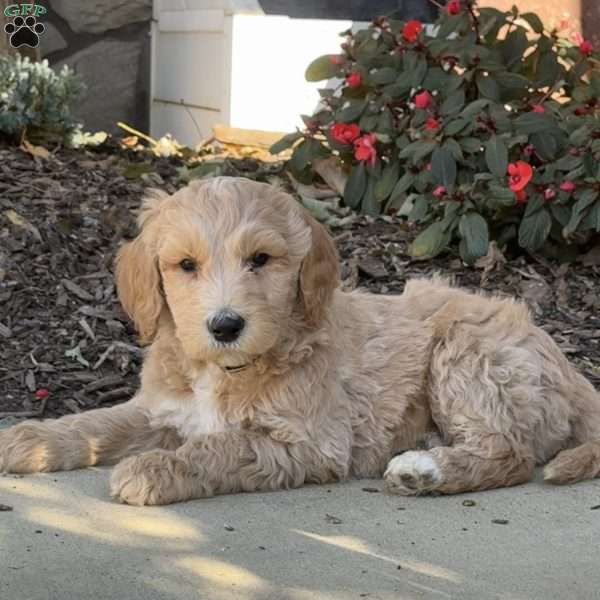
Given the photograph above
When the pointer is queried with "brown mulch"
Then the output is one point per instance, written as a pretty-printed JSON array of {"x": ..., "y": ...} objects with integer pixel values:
[{"x": 62, "y": 329}]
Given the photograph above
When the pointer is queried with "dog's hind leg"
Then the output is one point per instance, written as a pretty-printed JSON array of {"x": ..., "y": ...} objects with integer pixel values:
[
  {"x": 583, "y": 461},
  {"x": 486, "y": 398},
  {"x": 460, "y": 468},
  {"x": 102, "y": 436}
]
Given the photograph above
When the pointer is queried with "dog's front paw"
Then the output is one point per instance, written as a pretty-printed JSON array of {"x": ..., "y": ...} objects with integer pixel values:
[
  {"x": 412, "y": 473},
  {"x": 33, "y": 447},
  {"x": 152, "y": 478}
]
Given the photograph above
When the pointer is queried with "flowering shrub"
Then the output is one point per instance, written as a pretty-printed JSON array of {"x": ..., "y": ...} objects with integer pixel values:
[
  {"x": 36, "y": 100},
  {"x": 484, "y": 126}
]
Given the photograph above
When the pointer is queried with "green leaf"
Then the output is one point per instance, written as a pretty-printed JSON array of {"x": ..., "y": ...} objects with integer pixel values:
[
  {"x": 471, "y": 145},
  {"x": 533, "y": 123},
  {"x": 418, "y": 150},
  {"x": 534, "y": 230},
  {"x": 385, "y": 184},
  {"x": 431, "y": 242},
  {"x": 367, "y": 50},
  {"x": 534, "y": 21},
  {"x": 456, "y": 126},
  {"x": 496, "y": 156},
  {"x": 568, "y": 162},
  {"x": 287, "y": 141},
  {"x": 454, "y": 103},
  {"x": 321, "y": 68},
  {"x": 368, "y": 122},
  {"x": 369, "y": 205},
  {"x": 302, "y": 155},
  {"x": 548, "y": 70},
  {"x": 443, "y": 167},
  {"x": 545, "y": 145},
  {"x": 578, "y": 212},
  {"x": 352, "y": 112},
  {"x": 383, "y": 76},
  {"x": 402, "y": 186},
  {"x": 474, "y": 231},
  {"x": 491, "y": 20},
  {"x": 561, "y": 213},
  {"x": 435, "y": 79},
  {"x": 513, "y": 47},
  {"x": 449, "y": 26},
  {"x": 512, "y": 81},
  {"x": 534, "y": 205},
  {"x": 419, "y": 209},
  {"x": 355, "y": 186},
  {"x": 455, "y": 148},
  {"x": 592, "y": 219},
  {"x": 488, "y": 87},
  {"x": 419, "y": 72},
  {"x": 474, "y": 108},
  {"x": 580, "y": 135},
  {"x": 400, "y": 88},
  {"x": 582, "y": 94},
  {"x": 409, "y": 61},
  {"x": 502, "y": 196},
  {"x": 590, "y": 164},
  {"x": 385, "y": 122}
]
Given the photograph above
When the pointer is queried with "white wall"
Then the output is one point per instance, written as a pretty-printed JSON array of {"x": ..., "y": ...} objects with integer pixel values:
[
  {"x": 269, "y": 57},
  {"x": 244, "y": 70}
]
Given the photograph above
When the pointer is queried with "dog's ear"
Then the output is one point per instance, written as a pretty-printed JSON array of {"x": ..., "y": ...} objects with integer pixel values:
[
  {"x": 137, "y": 275},
  {"x": 319, "y": 274}
]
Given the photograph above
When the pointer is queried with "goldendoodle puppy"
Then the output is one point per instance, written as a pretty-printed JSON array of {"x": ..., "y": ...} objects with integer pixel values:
[{"x": 261, "y": 374}]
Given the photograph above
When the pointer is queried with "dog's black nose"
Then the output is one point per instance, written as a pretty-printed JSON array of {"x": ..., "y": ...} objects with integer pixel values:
[{"x": 226, "y": 326}]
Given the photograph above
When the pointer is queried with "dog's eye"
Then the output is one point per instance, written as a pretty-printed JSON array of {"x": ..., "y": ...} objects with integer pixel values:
[
  {"x": 259, "y": 260},
  {"x": 187, "y": 265}
]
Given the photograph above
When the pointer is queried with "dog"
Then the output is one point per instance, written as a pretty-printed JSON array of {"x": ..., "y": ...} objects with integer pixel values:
[{"x": 261, "y": 374}]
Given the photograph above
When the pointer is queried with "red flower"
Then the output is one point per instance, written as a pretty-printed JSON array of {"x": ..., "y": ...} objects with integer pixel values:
[
  {"x": 586, "y": 47},
  {"x": 42, "y": 394},
  {"x": 432, "y": 124},
  {"x": 411, "y": 31},
  {"x": 345, "y": 134},
  {"x": 439, "y": 191},
  {"x": 423, "y": 100},
  {"x": 519, "y": 175},
  {"x": 549, "y": 194},
  {"x": 568, "y": 186},
  {"x": 538, "y": 108},
  {"x": 364, "y": 149},
  {"x": 453, "y": 7},
  {"x": 354, "y": 80},
  {"x": 336, "y": 59}
]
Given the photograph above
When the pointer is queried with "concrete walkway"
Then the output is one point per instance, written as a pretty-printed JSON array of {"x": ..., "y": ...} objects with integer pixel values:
[{"x": 65, "y": 540}]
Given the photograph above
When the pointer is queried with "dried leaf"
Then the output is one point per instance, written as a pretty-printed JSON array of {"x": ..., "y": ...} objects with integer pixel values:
[
  {"x": 35, "y": 151},
  {"x": 16, "y": 219}
]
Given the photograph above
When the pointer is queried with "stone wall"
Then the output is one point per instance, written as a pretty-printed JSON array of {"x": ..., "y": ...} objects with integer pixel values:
[{"x": 108, "y": 43}]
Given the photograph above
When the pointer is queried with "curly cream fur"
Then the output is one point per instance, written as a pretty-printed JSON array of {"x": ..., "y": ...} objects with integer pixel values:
[{"x": 331, "y": 384}]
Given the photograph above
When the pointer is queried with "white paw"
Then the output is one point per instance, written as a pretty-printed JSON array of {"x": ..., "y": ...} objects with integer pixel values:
[{"x": 412, "y": 473}]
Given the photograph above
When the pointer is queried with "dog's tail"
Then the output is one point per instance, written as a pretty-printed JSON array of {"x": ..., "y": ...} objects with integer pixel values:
[
  {"x": 583, "y": 461},
  {"x": 576, "y": 464}
]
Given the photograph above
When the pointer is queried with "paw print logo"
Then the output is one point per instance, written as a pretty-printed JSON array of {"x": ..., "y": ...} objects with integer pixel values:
[{"x": 24, "y": 32}]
